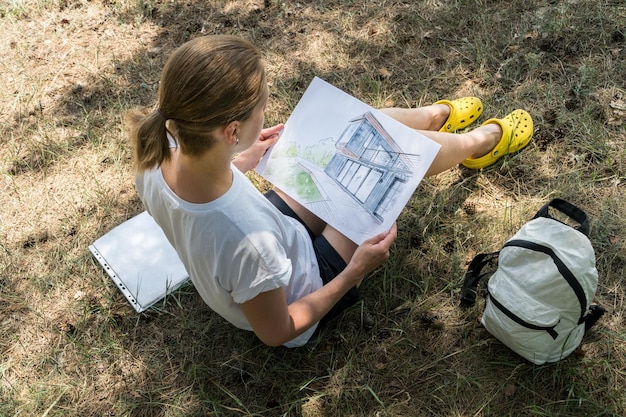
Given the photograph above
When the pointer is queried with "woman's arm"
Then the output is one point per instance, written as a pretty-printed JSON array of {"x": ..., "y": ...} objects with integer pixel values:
[{"x": 275, "y": 322}]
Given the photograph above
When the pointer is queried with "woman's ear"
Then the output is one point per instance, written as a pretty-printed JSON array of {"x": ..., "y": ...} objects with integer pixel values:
[{"x": 231, "y": 130}]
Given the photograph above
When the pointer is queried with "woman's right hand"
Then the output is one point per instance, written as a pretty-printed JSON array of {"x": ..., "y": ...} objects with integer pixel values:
[{"x": 373, "y": 252}]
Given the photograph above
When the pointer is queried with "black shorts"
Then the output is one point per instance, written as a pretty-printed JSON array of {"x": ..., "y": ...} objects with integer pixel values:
[{"x": 329, "y": 261}]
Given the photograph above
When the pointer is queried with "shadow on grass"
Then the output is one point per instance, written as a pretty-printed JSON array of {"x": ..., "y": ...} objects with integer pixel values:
[{"x": 414, "y": 357}]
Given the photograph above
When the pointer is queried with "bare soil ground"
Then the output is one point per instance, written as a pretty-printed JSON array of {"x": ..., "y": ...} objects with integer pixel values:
[{"x": 70, "y": 344}]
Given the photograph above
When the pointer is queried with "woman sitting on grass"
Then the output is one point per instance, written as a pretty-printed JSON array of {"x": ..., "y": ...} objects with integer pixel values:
[{"x": 264, "y": 262}]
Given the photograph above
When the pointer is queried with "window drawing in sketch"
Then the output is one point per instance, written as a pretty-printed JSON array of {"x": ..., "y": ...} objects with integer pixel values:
[{"x": 369, "y": 165}]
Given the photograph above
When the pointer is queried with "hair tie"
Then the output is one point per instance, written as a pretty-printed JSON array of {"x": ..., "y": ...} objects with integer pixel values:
[{"x": 163, "y": 115}]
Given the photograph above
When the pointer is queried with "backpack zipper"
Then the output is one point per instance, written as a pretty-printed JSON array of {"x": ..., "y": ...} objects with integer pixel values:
[
  {"x": 553, "y": 333},
  {"x": 563, "y": 269}
]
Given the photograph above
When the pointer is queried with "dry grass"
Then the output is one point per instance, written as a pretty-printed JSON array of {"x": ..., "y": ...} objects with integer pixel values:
[{"x": 70, "y": 345}]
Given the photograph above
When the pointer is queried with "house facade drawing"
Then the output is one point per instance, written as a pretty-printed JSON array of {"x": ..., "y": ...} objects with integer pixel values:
[{"x": 369, "y": 166}]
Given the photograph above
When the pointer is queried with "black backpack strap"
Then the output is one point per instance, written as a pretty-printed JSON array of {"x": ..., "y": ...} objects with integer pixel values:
[
  {"x": 579, "y": 216},
  {"x": 594, "y": 314},
  {"x": 565, "y": 272},
  {"x": 570, "y": 210},
  {"x": 473, "y": 276}
]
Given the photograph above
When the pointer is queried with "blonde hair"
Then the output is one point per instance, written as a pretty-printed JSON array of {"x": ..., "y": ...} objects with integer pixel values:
[{"x": 206, "y": 83}]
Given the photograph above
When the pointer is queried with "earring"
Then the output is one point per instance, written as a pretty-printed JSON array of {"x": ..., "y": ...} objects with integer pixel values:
[{"x": 236, "y": 141}]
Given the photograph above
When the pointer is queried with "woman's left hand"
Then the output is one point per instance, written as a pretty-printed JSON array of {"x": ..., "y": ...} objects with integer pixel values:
[{"x": 250, "y": 158}]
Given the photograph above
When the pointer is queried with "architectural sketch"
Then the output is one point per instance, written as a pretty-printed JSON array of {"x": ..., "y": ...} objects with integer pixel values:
[
  {"x": 351, "y": 165},
  {"x": 369, "y": 165}
]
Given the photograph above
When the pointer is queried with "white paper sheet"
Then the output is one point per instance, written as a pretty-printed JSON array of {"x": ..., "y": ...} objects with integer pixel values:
[
  {"x": 348, "y": 163},
  {"x": 140, "y": 261}
]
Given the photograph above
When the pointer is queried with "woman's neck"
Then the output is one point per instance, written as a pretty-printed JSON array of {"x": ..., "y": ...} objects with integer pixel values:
[{"x": 199, "y": 179}]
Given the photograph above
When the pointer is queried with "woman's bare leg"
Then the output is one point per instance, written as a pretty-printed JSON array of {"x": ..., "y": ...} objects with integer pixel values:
[
  {"x": 313, "y": 222},
  {"x": 455, "y": 148},
  {"x": 344, "y": 246},
  {"x": 422, "y": 118}
]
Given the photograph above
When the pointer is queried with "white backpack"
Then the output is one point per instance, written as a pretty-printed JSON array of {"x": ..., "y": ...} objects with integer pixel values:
[{"x": 538, "y": 301}]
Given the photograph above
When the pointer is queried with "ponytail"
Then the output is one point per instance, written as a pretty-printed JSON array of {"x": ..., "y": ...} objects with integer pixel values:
[
  {"x": 206, "y": 83},
  {"x": 148, "y": 135}
]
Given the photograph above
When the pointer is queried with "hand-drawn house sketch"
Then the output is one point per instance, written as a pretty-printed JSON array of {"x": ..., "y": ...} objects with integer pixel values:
[
  {"x": 351, "y": 165},
  {"x": 369, "y": 165}
]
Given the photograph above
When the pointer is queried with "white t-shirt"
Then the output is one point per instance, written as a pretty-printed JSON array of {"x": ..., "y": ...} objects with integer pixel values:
[{"x": 235, "y": 247}]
